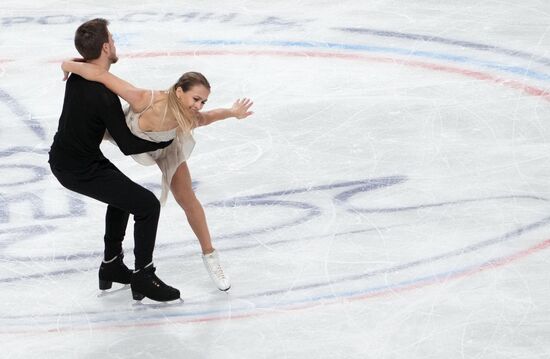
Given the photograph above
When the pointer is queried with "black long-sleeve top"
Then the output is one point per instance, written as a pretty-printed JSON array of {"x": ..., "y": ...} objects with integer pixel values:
[{"x": 89, "y": 108}]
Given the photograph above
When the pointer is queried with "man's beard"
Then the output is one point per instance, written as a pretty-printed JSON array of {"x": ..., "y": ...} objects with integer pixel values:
[{"x": 113, "y": 59}]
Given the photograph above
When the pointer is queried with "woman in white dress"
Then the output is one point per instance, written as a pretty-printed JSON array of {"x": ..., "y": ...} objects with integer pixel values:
[{"x": 172, "y": 114}]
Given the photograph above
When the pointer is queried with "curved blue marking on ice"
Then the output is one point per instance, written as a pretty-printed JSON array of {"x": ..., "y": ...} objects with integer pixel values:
[{"x": 516, "y": 70}]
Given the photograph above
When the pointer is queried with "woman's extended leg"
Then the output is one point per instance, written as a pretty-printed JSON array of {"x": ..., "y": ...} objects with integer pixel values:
[{"x": 185, "y": 196}]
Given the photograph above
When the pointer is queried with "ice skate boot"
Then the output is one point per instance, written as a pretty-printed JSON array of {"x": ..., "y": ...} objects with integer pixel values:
[
  {"x": 146, "y": 284},
  {"x": 113, "y": 270},
  {"x": 213, "y": 267}
]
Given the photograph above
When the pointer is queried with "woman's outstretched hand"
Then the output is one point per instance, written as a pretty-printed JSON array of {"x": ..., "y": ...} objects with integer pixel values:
[{"x": 241, "y": 107}]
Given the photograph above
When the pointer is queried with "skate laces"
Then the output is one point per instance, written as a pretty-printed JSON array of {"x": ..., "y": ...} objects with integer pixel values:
[
  {"x": 214, "y": 265},
  {"x": 216, "y": 268},
  {"x": 219, "y": 272}
]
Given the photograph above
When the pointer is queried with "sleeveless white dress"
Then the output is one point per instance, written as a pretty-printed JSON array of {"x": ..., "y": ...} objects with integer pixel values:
[{"x": 168, "y": 158}]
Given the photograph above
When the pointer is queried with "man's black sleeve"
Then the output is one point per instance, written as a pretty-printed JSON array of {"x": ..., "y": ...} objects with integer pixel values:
[{"x": 111, "y": 113}]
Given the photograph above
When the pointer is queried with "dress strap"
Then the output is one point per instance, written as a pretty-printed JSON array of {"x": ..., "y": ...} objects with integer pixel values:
[{"x": 150, "y": 103}]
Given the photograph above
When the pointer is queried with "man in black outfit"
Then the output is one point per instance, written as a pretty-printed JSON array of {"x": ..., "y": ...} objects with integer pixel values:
[{"x": 76, "y": 160}]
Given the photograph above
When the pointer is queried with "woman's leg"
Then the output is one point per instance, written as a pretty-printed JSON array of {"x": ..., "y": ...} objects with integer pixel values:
[{"x": 185, "y": 196}]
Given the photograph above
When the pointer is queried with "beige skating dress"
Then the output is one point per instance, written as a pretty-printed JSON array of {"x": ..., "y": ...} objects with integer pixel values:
[{"x": 169, "y": 158}]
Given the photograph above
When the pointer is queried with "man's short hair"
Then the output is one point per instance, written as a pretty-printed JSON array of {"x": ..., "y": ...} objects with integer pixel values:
[{"x": 90, "y": 37}]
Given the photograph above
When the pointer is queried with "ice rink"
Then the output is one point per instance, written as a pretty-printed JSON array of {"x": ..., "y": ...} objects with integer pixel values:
[{"x": 389, "y": 198}]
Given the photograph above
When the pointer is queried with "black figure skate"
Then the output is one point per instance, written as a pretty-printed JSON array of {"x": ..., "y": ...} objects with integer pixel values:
[
  {"x": 114, "y": 271},
  {"x": 145, "y": 283}
]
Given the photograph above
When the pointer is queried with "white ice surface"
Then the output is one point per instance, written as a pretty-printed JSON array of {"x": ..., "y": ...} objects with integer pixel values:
[{"x": 389, "y": 198}]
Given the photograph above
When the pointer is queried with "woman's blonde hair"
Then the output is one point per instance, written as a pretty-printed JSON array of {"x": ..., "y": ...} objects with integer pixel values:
[{"x": 187, "y": 121}]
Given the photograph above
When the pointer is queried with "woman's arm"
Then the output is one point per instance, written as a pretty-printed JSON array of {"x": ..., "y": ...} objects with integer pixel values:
[
  {"x": 137, "y": 98},
  {"x": 239, "y": 110}
]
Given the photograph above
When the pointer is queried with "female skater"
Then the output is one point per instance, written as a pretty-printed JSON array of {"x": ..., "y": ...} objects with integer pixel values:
[{"x": 172, "y": 114}]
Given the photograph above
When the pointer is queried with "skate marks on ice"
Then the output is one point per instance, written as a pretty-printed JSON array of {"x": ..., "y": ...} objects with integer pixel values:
[
  {"x": 402, "y": 254},
  {"x": 393, "y": 245}
]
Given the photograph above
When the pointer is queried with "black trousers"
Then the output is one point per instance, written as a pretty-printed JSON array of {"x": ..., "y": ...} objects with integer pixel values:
[{"x": 106, "y": 183}]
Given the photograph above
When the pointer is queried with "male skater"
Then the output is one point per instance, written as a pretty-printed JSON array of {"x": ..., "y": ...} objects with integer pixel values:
[{"x": 76, "y": 160}]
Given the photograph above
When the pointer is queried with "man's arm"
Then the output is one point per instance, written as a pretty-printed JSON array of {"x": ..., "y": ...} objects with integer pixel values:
[{"x": 111, "y": 113}]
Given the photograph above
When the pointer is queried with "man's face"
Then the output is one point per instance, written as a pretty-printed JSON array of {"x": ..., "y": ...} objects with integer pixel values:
[{"x": 113, "y": 58}]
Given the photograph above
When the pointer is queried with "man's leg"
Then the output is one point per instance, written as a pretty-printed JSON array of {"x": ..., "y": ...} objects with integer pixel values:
[
  {"x": 107, "y": 184},
  {"x": 116, "y": 221},
  {"x": 112, "y": 267}
]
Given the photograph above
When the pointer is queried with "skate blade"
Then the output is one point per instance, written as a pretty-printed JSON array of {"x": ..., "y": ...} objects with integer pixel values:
[{"x": 104, "y": 293}]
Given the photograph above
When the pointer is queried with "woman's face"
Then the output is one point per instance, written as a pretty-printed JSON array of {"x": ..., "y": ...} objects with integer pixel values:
[{"x": 195, "y": 98}]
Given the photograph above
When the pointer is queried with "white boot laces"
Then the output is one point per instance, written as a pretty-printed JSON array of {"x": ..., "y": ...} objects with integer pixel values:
[
  {"x": 218, "y": 271},
  {"x": 215, "y": 267}
]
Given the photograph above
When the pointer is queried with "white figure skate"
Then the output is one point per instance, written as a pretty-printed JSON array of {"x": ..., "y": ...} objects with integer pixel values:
[{"x": 212, "y": 263}]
